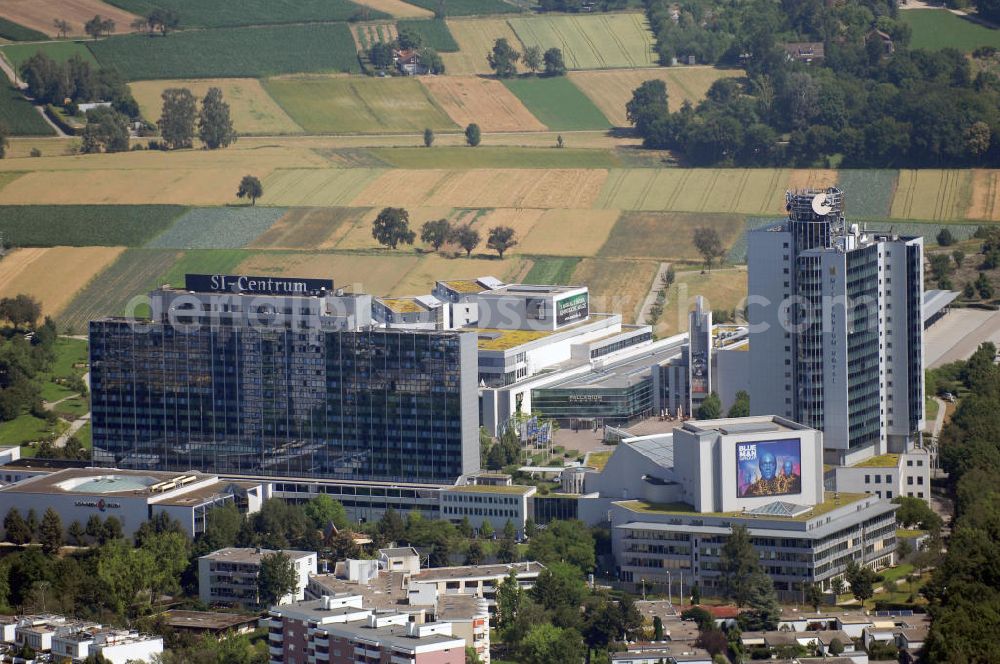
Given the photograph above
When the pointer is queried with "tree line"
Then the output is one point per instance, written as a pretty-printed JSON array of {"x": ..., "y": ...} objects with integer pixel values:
[
  {"x": 860, "y": 105},
  {"x": 503, "y": 59},
  {"x": 392, "y": 227}
]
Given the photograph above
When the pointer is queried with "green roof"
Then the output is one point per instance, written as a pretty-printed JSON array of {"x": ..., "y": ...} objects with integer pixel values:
[
  {"x": 599, "y": 459},
  {"x": 479, "y": 488},
  {"x": 833, "y": 501},
  {"x": 881, "y": 461}
]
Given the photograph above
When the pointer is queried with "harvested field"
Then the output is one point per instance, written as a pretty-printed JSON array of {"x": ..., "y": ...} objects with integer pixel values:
[
  {"x": 938, "y": 195},
  {"x": 813, "y": 178},
  {"x": 484, "y": 188},
  {"x": 487, "y": 102},
  {"x": 375, "y": 274},
  {"x": 309, "y": 228},
  {"x": 868, "y": 193},
  {"x": 434, "y": 267},
  {"x": 134, "y": 273},
  {"x": 359, "y": 234},
  {"x": 667, "y": 235},
  {"x": 39, "y": 14},
  {"x": 397, "y": 8},
  {"x": 54, "y": 275},
  {"x": 596, "y": 41},
  {"x": 722, "y": 290},
  {"x": 194, "y": 187},
  {"x": 317, "y": 187},
  {"x": 985, "y": 203},
  {"x": 367, "y": 35},
  {"x": 251, "y": 108},
  {"x": 488, "y": 156},
  {"x": 569, "y": 233},
  {"x": 331, "y": 104},
  {"x": 522, "y": 220},
  {"x": 611, "y": 90},
  {"x": 217, "y": 228},
  {"x": 16, "y": 262},
  {"x": 475, "y": 39},
  {"x": 616, "y": 286},
  {"x": 750, "y": 191}
]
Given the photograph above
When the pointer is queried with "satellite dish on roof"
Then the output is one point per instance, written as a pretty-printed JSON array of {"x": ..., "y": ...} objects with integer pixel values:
[{"x": 820, "y": 206}]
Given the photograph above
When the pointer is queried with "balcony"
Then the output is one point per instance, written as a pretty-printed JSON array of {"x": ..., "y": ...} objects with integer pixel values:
[
  {"x": 400, "y": 659},
  {"x": 275, "y": 651}
]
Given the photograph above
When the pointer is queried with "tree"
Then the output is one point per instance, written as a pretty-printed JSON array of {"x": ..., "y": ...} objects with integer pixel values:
[
  {"x": 106, "y": 131},
  {"x": 547, "y": 644},
  {"x": 22, "y": 311},
  {"x": 554, "y": 63},
  {"x": 533, "y": 58},
  {"x": 139, "y": 24},
  {"x": 501, "y": 238},
  {"x": 503, "y": 59},
  {"x": 76, "y": 534},
  {"x": 392, "y": 226},
  {"x": 959, "y": 257},
  {"x": 903, "y": 549},
  {"x": 215, "y": 127},
  {"x": 657, "y": 628},
  {"x": 945, "y": 238},
  {"x": 435, "y": 232},
  {"x": 277, "y": 578},
  {"x": 163, "y": 20},
  {"x": 323, "y": 510},
  {"x": 98, "y": 26},
  {"x": 648, "y": 105},
  {"x": 486, "y": 530},
  {"x": 15, "y": 528},
  {"x": 763, "y": 610},
  {"x": 984, "y": 287},
  {"x": 837, "y": 586},
  {"x": 250, "y": 187},
  {"x": 177, "y": 118},
  {"x": 112, "y": 530},
  {"x": 391, "y": 526},
  {"x": 813, "y": 595},
  {"x": 862, "y": 580},
  {"x": 738, "y": 561},
  {"x": 707, "y": 241},
  {"x": 710, "y": 408},
  {"x": 836, "y": 647},
  {"x": 428, "y": 137},
  {"x": 508, "y": 597},
  {"x": 62, "y": 27},
  {"x": 471, "y": 656},
  {"x": 50, "y": 533},
  {"x": 467, "y": 237},
  {"x": 741, "y": 406},
  {"x": 696, "y": 594},
  {"x": 430, "y": 59},
  {"x": 473, "y": 135},
  {"x": 474, "y": 555},
  {"x": 507, "y": 551},
  {"x": 382, "y": 55},
  {"x": 568, "y": 541}
]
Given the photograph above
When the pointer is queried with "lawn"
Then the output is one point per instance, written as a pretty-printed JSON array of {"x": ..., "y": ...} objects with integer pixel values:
[
  {"x": 433, "y": 32},
  {"x": 938, "y": 195},
  {"x": 220, "y": 13},
  {"x": 667, "y": 235},
  {"x": 468, "y": 7},
  {"x": 217, "y": 228},
  {"x": 18, "y": 116},
  {"x": 59, "y": 51},
  {"x": 939, "y": 28},
  {"x": 17, "y": 32},
  {"x": 251, "y": 108},
  {"x": 557, "y": 271},
  {"x": 557, "y": 103},
  {"x": 494, "y": 157},
  {"x": 231, "y": 52},
  {"x": 26, "y": 428},
  {"x": 358, "y": 105},
  {"x": 84, "y": 225},
  {"x": 595, "y": 41}
]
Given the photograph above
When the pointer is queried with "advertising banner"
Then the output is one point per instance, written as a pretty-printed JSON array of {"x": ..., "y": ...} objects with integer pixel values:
[
  {"x": 572, "y": 308},
  {"x": 769, "y": 468}
]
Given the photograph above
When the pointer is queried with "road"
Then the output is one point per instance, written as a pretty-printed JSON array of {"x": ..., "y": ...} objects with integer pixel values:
[{"x": 958, "y": 335}]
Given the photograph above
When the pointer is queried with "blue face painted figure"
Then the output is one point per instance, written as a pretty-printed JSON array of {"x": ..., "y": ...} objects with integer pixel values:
[
  {"x": 788, "y": 468},
  {"x": 768, "y": 466}
]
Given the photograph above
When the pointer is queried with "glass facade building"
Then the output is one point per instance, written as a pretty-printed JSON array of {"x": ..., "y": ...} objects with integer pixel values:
[{"x": 381, "y": 405}]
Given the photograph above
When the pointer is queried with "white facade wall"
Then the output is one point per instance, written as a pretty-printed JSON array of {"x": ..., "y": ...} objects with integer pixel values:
[
  {"x": 218, "y": 572},
  {"x": 910, "y": 477},
  {"x": 132, "y": 511},
  {"x": 481, "y": 506},
  {"x": 131, "y": 651}
]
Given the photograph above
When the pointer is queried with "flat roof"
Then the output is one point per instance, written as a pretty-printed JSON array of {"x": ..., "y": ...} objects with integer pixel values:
[
  {"x": 832, "y": 502},
  {"x": 402, "y": 305},
  {"x": 106, "y": 482},
  {"x": 390, "y": 636},
  {"x": 465, "y": 286},
  {"x": 476, "y": 571},
  {"x": 209, "y": 620},
  {"x": 491, "y": 488},
  {"x": 533, "y": 289},
  {"x": 936, "y": 300},
  {"x": 880, "y": 461},
  {"x": 744, "y": 425},
  {"x": 496, "y": 339},
  {"x": 624, "y": 372},
  {"x": 248, "y": 555}
]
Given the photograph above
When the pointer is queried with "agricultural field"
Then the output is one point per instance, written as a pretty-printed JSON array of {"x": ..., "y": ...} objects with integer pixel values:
[
  {"x": 60, "y": 51},
  {"x": 723, "y": 289},
  {"x": 39, "y": 14},
  {"x": 397, "y": 8},
  {"x": 53, "y": 276},
  {"x": 84, "y": 225},
  {"x": 251, "y": 108},
  {"x": 17, "y": 32},
  {"x": 489, "y": 156},
  {"x": 316, "y": 187},
  {"x": 522, "y": 220},
  {"x": 228, "y": 13},
  {"x": 569, "y": 233},
  {"x": 750, "y": 191},
  {"x": 469, "y": 7},
  {"x": 475, "y": 38},
  {"x": 594, "y": 41},
  {"x": 217, "y": 228},
  {"x": 433, "y": 33},
  {"x": 616, "y": 286},
  {"x": 120, "y": 187},
  {"x": 939, "y": 28},
  {"x": 556, "y": 271},
  {"x": 375, "y": 273},
  {"x": 937, "y": 195},
  {"x": 434, "y": 267},
  {"x": 231, "y": 52},
  {"x": 485, "y": 188},
  {"x": 367, "y": 35},
  {"x": 557, "y": 103},
  {"x": 667, "y": 235},
  {"x": 611, "y": 90},
  {"x": 309, "y": 228},
  {"x": 358, "y": 105},
  {"x": 18, "y": 116},
  {"x": 487, "y": 102},
  {"x": 202, "y": 261},
  {"x": 134, "y": 273},
  {"x": 814, "y": 178},
  {"x": 358, "y": 235},
  {"x": 868, "y": 193},
  {"x": 985, "y": 199}
]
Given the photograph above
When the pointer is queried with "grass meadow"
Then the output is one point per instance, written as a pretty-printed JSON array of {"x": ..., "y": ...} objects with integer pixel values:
[
  {"x": 18, "y": 116},
  {"x": 939, "y": 28},
  {"x": 60, "y": 51},
  {"x": 557, "y": 103},
  {"x": 224, "y": 13}
]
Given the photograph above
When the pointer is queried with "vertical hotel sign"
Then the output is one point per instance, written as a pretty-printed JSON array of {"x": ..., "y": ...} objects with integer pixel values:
[{"x": 572, "y": 308}]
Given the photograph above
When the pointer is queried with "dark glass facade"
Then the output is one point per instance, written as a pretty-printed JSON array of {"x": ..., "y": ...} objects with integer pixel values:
[
  {"x": 612, "y": 405},
  {"x": 368, "y": 405}
]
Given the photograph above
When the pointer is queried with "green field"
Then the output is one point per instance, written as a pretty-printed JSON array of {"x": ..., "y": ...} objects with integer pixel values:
[
  {"x": 939, "y": 28},
  {"x": 217, "y": 228},
  {"x": 19, "y": 117},
  {"x": 434, "y": 33},
  {"x": 233, "y": 52},
  {"x": 25, "y": 428},
  {"x": 60, "y": 51},
  {"x": 358, "y": 105},
  {"x": 203, "y": 261},
  {"x": 485, "y": 156},
  {"x": 468, "y": 7},
  {"x": 224, "y": 13},
  {"x": 557, "y": 271},
  {"x": 17, "y": 32},
  {"x": 867, "y": 193},
  {"x": 557, "y": 103},
  {"x": 84, "y": 225},
  {"x": 595, "y": 41},
  {"x": 667, "y": 235}
]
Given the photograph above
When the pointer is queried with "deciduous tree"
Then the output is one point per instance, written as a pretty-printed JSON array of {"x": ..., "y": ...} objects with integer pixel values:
[
  {"x": 250, "y": 187},
  {"x": 554, "y": 63},
  {"x": 177, "y": 118},
  {"x": 503, "y": 59},
  {"x": 428, "y": 137},
  {"x": 435, "y": 232},
  {"x": 106, "y": 131},
  {"x": 710, "y": 408},
  {"x": 501, "y": 238},
  {"x": 707, "y": 241},
  {"x": 467, "y": 237},
  {"x": 215, "y": 127},
  {"x": 741, "y": 406},
  {"x": 533, "y": 58},
  {"x": 62, "y": 27},
  {"x": 392, "y": 227},
  {"x": 277, "y": 578},
  {"x": 473, "y": 135},
  {"x": 15, "y": 528}
]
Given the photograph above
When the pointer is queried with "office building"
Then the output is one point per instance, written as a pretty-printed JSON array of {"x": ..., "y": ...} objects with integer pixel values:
[
  {"x": 229, "y": 576},
  {"x": 836, "y": 328},
  {"x": 115, "y": 646},
  {"x": 888, "y": 475},
  {"x": 488, "y": 503},
  {"x": 293, "y": 384}
]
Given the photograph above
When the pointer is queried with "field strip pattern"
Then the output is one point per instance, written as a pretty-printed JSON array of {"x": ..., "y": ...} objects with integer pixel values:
[
  {"x": 217, "y": 228},
  {"x": 591, "y": 41},
  {"x": 317, "y": 187},
  {"x": 58, "y": 273},
  {"x": 938, "y": 195},
  {"x": 749, "y": 191}
]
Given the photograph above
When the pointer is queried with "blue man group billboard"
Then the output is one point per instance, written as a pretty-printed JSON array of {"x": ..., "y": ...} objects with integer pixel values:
[{"x": 769, "y": 468}]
